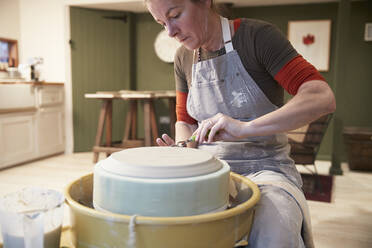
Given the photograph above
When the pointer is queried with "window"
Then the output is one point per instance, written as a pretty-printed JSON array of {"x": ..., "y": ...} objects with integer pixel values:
[{"x": 8, "y": 53}]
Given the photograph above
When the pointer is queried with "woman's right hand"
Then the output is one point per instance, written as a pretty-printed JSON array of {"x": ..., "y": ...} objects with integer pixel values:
[{"x": 165, "y": 140}]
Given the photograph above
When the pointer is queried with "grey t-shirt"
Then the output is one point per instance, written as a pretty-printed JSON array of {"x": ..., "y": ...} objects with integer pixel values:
[{"x": 263, "y": 49}]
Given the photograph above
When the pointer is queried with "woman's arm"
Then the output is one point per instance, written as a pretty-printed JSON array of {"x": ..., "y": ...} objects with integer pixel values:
[
  {"x": 313, "y": 100},
  {"x": 184, "y": 130}
]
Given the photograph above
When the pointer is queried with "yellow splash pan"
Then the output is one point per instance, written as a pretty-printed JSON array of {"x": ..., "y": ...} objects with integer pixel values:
[{"x": 91, "y": 228}]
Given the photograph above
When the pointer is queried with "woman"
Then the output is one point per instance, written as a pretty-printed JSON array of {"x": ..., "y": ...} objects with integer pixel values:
[{"x": 230, "y": 76}]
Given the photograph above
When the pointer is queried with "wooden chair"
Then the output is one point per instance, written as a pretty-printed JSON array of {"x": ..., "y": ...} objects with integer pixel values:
[{"x": 305, "y": 143}]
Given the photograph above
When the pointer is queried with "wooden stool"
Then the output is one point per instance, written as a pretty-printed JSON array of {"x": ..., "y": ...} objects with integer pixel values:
[
  {"x": 130, "y": 131},
  {"x": 150, "y": 126}
]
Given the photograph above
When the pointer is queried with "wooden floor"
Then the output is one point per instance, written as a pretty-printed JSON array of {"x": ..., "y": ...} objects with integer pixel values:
[{"x": 346, "y": 222}]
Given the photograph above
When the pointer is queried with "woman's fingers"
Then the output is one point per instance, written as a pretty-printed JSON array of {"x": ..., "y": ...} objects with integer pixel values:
[
  {"x": 203, "y": 133},
  {"x": 204, "y": 128},
  {"x": 213, "y": 133},
  {"x": 160, "y": 142},
  {"x": 165, "y": 140},
  {"x": 218, "y": 127}
]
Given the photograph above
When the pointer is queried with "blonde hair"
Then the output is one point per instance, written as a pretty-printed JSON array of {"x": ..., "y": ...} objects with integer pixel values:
[{"x": 220, "y": 8}]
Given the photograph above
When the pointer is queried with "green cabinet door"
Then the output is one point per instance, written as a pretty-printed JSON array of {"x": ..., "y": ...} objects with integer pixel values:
[{"x": 100, "y": 61}]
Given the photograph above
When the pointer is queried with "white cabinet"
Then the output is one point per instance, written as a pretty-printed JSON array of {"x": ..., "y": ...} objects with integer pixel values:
[
  {"x": 32, "y": 128},
  {"x": 50, "y": 131},
  {"x": 17, "y": 138}
]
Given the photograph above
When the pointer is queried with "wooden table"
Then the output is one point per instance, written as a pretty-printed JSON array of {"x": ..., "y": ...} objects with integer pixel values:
[{"x": 130, "y": 139}]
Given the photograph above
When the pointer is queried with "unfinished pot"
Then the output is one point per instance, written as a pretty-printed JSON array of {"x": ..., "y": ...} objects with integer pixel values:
[{"x": 161, "y": 181}]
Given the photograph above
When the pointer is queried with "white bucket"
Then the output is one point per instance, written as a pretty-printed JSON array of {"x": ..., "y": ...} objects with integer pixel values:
[{"x": 32, "y": 218}]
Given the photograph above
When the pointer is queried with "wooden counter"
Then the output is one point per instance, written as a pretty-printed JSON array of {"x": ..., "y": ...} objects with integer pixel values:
[{"x": 32, "y": 83}]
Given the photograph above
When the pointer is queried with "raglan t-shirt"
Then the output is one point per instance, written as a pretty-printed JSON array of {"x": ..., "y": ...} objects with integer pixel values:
[{"x": 267, "y": 56}]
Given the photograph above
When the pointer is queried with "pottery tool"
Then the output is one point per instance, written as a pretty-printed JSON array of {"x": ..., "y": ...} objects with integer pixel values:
[{"x": 183, "y": 143}]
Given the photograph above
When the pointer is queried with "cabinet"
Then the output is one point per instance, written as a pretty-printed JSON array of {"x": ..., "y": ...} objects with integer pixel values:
[
  {"x": 17, "y": 138},
  {"x": 50, "y": 131},
  {"x": 32, "y": 128}
]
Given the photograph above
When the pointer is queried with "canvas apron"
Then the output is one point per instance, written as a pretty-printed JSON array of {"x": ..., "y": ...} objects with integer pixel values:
[{"x": 222, "y": 85}]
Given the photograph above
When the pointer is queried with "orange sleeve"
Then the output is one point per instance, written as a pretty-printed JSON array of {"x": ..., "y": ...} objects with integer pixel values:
[
  {"x": 296, "y": 72},
  {"x": 181, "y": 111},
  {"x": 237, "y": 23}
]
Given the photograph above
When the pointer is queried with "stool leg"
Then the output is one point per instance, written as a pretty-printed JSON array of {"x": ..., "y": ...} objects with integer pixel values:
[
  {"x": 101, "y": 122},
  {"x": 172, "y": 115},
  {"x": 128, "y": 122},
  {"x": 109, "y": 125},
  {"x": 154, "y": 128},
  {"x": 133, "y": 134},
  {"x": 146, "y": 122}
]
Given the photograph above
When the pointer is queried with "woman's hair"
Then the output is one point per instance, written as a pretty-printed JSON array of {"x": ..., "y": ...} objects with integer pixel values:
[
  {"x": 213, "y": 6},
  {"x": 220, "y": 8}
]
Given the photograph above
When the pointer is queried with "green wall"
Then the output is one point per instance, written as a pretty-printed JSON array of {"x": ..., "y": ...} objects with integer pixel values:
[
  {"x": 355, "y": 101},
  {"x": 152, "y": 73}
]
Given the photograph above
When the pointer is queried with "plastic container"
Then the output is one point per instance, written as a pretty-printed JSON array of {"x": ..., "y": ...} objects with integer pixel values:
[
  {"x": 92, "y": 228},
  {"x": 358, "y": 142},
  {"x": 31, "y": 218}
]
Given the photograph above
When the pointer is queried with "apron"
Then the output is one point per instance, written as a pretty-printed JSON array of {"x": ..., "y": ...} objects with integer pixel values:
[{"x": 222, "y": 85}]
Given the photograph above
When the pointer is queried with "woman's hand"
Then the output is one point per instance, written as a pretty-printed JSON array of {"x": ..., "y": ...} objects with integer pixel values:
[
  {"x": 183, "y": 132},
  {"x": 165, "y": 140},
  {"x": 219, "y": 127}
]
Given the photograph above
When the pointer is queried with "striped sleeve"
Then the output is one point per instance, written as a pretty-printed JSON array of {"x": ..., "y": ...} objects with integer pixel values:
[{"x": 296, "y": 72}]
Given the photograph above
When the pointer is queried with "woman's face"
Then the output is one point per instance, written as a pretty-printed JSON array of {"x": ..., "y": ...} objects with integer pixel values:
[{"x": 184, "y": 20}]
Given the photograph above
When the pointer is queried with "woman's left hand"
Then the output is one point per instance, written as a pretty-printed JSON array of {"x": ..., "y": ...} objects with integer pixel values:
[{"x": 219, "y": 127}]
